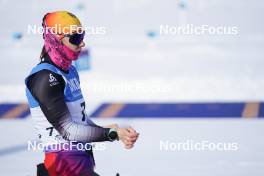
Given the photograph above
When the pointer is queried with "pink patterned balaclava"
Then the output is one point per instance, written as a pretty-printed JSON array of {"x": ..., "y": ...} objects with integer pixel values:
[{"x": 60, "y": 54}]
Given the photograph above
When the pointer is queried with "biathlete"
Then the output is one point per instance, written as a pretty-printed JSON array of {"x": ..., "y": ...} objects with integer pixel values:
[{"x": 57, "y": 105}]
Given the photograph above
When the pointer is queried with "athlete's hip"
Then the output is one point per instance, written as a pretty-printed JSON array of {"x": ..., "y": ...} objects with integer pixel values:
[{"x": 69, "y": 163}]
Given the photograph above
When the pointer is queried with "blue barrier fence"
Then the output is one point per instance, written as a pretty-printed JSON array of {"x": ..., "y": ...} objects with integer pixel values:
[{"x": 156, "y": 110}]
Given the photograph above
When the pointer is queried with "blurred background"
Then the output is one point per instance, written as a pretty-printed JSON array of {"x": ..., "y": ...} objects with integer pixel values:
[{"x": 171, "y": 86}]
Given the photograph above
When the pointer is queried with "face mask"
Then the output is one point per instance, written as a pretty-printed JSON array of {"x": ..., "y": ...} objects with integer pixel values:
[{"x": 60, "y": 54}]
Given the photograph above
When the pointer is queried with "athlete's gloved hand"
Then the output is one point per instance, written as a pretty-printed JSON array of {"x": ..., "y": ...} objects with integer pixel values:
[{"x": 128, "y": 136}]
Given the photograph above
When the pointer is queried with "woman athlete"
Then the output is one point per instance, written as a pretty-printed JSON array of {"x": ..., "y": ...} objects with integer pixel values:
[{"x": 57, "y": 105}]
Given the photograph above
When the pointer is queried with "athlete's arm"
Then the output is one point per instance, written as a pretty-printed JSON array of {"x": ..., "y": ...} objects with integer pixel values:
[{"x": 50, "y": 96}]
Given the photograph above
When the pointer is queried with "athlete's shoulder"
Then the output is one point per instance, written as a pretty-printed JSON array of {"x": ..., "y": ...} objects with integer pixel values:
[
  {"x": 45, "y": 78},
  {"x": 46, "y": 66},
  {"x": 47, "y": 75}
]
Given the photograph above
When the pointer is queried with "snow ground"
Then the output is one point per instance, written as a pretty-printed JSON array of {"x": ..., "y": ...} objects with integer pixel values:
[{"x": 147, "y": 158}]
